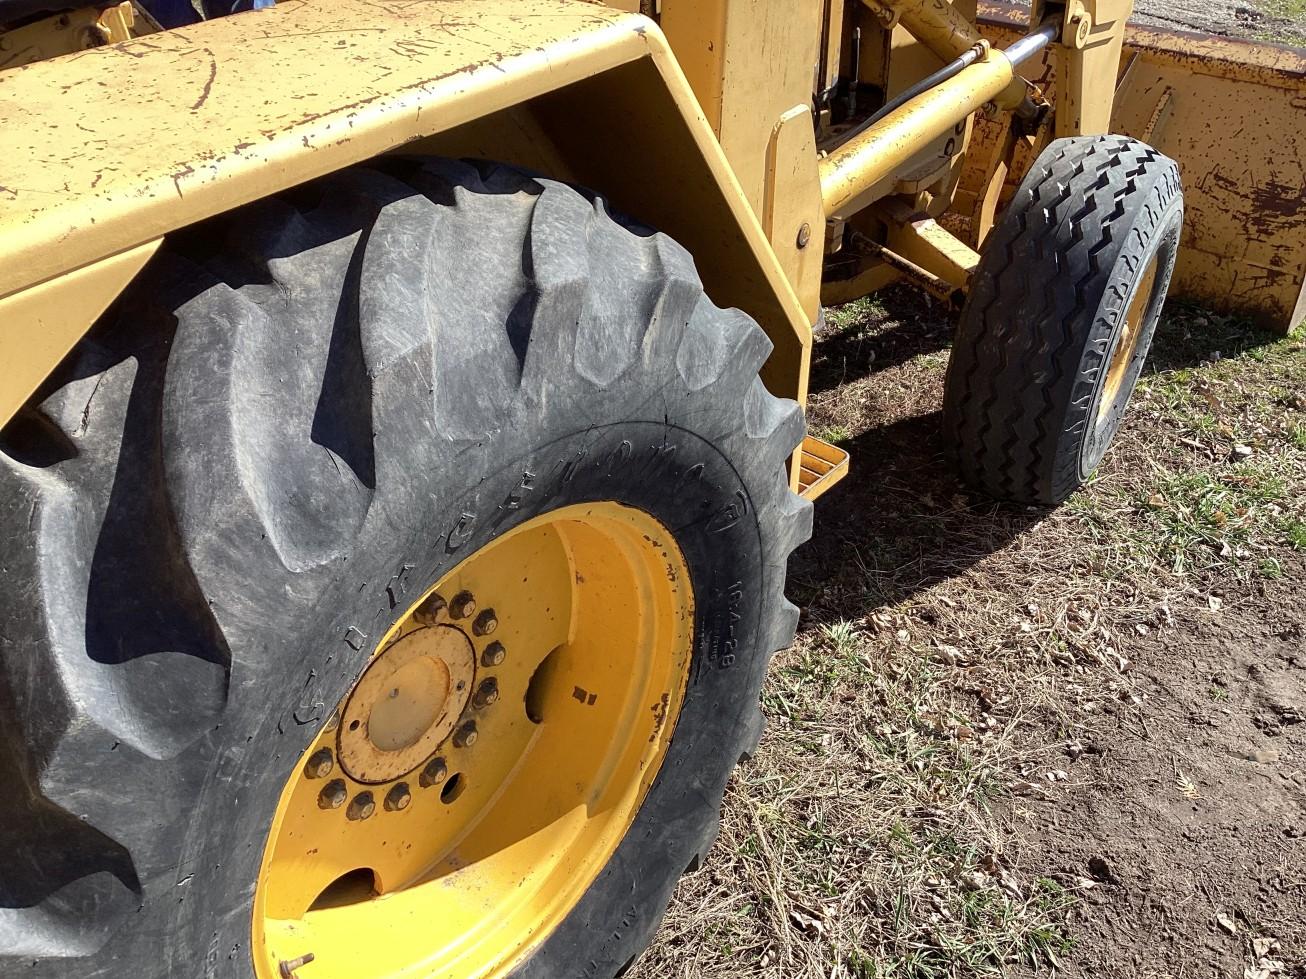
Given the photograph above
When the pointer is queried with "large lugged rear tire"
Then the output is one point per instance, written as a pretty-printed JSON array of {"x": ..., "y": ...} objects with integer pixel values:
[
  {"x": 1060, "y": 317},
  {"x": 270, "y": 448}
]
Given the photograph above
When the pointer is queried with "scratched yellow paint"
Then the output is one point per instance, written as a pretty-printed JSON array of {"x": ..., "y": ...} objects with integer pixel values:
[{"x": 108, "y": 149}]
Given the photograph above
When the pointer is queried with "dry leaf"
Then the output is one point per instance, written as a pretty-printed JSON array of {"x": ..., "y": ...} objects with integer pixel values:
[
  {"x": 948, "y": 654},
  {"x": 1263, "y": 946},
  {"x": 807, "y": 920}
]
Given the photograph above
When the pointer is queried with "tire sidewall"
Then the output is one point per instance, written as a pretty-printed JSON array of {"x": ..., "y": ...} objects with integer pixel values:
[{"x": 1155, "y": 235}]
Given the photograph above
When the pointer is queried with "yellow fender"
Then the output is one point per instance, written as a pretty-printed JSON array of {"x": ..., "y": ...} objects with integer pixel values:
[{"x": 107, "y": 151}]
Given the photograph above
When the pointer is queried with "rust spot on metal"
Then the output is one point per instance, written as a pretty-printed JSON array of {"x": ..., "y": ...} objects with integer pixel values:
[
  {"x": 659, "y": 716},
  {"x": 1275, "y": 202}
]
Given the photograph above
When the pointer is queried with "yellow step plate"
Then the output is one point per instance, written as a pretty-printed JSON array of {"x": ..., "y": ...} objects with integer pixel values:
[{"x": 823, "y": 466}]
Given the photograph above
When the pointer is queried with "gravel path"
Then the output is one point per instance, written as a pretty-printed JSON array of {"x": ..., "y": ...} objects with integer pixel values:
[{"x": 1264, "y": 20}]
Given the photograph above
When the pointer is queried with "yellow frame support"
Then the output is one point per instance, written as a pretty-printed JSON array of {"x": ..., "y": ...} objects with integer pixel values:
[
  {"x": 1093, "y": 33},
  {"x": 39, "y": 325}
]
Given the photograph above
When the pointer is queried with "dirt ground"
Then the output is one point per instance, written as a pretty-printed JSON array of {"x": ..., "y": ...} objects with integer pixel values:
[
  {"x": 1283, "y": 21},
  {"x": 1023, "y": 741}
]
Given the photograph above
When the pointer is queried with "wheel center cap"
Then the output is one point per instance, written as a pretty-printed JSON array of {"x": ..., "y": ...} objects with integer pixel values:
[{"x": 406, "y": 703}]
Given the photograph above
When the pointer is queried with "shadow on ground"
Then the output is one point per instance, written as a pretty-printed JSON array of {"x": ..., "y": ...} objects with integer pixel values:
[{"x": 902, "y": 521}]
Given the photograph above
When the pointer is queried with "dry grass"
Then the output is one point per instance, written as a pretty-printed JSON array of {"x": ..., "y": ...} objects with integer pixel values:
[{"x": 954, "y": 652}]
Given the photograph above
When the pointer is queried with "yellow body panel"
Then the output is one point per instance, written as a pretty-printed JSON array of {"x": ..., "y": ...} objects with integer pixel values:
[
  {"x": 233, "y": 110},
  {"x": 751, "y": 64}
]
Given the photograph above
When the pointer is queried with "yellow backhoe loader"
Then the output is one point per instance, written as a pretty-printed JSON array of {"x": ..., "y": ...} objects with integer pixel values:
[{"x": 402, "y": 422}]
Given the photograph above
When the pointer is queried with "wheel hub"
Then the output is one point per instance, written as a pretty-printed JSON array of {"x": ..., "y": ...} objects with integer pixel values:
[
  {"x": 407, "y": 703},
  {"x": 1122, "y": 356}
]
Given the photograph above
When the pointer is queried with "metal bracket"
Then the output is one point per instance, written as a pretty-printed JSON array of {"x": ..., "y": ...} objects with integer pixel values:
[{"x": 115, "y": 24}]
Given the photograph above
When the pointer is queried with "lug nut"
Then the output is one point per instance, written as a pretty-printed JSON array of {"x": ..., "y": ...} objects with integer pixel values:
[
  {"x": 485, "y": 623},
  {"x": 319, "y": 764},
  {"x": 487, "y": 693},
  {"x": 333, "y": 795},
  {"x": 435, "y": 772},
  {"x": 493, "y": 655},
  {"x": 465, "y": 736},
  {"x": 462, "y": 605},
  {"x": 430, "y": 609},
  {"x": 398, "y": 797},
  {"x": 362, "y": 807}
]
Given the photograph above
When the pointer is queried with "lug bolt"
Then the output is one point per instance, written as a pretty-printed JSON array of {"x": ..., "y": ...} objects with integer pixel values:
[
  {"x": 333, "y": 795},
  {"x": 465, "y": 736},
  {"x": 485, "y": 623},
  {"x": 493, "y": 655},
  {"x": 435, "y": 772},
  {"x": 487, "y": 693},
  {"x": 319, "y": 764},
  {"x": 362, "y": 807},
  {"x": 462, "y": 605},
  {"x": 288, "y": 966},
  {"x": 430, "y": 609},
  {"x": 397, "y": 798}
]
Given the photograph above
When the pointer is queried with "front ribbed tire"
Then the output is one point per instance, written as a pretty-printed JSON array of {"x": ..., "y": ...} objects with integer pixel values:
[{"x": 1028, "y": 410}]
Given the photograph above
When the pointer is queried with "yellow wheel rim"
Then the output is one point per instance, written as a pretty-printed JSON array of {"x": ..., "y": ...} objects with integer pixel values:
[
  {"x": 488, "y": 761},
  {"x": 1123, "y": 355}
]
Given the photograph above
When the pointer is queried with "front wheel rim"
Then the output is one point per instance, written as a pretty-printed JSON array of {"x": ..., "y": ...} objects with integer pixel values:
[
  {"x": 1141, "y": 310},
  {"x": 488, "y": 761}
]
